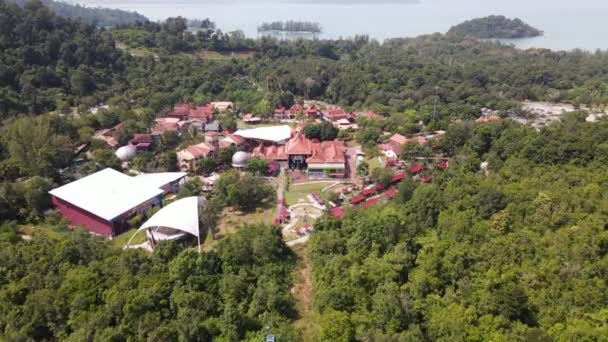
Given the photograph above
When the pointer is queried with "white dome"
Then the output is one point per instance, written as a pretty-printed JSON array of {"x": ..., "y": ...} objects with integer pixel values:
[
  {"x": 240, "y": 159},
  {"x": 126, "y": 153}
]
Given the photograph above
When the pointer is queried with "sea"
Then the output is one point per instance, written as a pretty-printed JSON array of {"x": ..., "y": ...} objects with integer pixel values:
[{"x": 567, "y": 25}]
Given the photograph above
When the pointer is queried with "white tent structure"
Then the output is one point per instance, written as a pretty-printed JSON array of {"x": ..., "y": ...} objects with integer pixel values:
[{"x": 174, "y": 221}]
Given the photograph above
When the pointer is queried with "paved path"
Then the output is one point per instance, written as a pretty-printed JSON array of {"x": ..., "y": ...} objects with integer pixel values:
[
  {"x": 351, "y": 162},
  {"x": 299, "y": 241}
]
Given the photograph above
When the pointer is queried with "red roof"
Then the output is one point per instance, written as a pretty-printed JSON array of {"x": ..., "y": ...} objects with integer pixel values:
[
  {"x": 188, "y": 111},
  {"x": 444, "y": 165},
  {"x": 336, "y": 114},
  {"x": 272, "y": 152},
  {"x": 370, "y": 202},
  {"x": 299, "y": 145},
  {"x": 426, "y": 179},
  {"x": 330, "y": 152},
  {"x": 165, "y": 124},
  {"x": 200, "y": 150},
  {"x": 380, "y": 187},
  {"x": 398, "y": 139},
  {"x": 142, "y": 138},
  {"x": 416, "y": 168},
  {"x": 337, "y": 212},
  {"x": 357, "y": 199},
  {"x": 398, "y": 177},
  {"x": 368, "y": 191},
  {"x": 391, "y": 193},
  {"x": 295, "y": 109}
]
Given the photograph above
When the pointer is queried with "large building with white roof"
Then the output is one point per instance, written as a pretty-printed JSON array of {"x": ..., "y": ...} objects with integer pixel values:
[{"x": 104, "y": 201}]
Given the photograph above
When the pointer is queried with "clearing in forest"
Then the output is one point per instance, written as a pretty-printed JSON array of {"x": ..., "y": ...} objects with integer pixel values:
[{"x": 302, "y": 294}]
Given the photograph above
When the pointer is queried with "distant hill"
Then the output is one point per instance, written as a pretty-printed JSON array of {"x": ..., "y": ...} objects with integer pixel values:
[
  {"x": 495, "y": 26},
  {"x": 91, "y": 15}
]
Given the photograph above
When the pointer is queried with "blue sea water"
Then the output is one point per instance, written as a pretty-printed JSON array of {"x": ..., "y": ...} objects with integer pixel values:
[{"x": 567, "y": 25}]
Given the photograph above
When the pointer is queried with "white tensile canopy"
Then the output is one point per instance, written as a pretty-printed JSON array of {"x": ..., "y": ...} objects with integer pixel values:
[{"x": 174, "y": 221}]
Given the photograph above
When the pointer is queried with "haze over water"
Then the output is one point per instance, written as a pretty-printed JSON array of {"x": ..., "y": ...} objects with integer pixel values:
[{"x": 567, "y": 24}]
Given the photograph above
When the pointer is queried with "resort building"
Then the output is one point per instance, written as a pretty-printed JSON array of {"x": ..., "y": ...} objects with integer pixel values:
[
  {"x": 392, "y": 148},
  {"x": 189, "y": 157},
  {"x": 319, "y": 159},
  {"x": 105, "y": 201}
]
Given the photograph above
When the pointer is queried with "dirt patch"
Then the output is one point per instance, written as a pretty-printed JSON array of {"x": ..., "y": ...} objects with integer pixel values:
[
  {"x": 302, "y": 294},
  {"x": 207, "y": 54}
]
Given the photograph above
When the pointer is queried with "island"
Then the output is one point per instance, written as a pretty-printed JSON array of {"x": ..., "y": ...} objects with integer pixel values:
[
  {"x": 495, "y": 26},
  {"x": 290, "y": 26}
]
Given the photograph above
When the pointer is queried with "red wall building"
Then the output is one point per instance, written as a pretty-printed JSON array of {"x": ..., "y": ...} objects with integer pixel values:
[{"x": 78, "y": 216}]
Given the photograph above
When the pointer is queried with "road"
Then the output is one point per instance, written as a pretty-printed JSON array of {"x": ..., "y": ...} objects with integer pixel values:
[{"x": 351, "y": 162}]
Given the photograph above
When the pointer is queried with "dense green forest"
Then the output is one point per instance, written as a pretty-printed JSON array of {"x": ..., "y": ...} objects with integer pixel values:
[
  {"x": 99, "y": 16},
  {"x": 70, "y": 286},
  {"x": 519, "y": 253},
  {"x": 495, "y": 26},
  {"x": 514, "y": 252}
]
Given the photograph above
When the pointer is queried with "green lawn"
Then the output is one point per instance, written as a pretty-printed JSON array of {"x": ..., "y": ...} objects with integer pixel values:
[
  {"x": 299, "y": 192},
  {"x": 230, "y": 221},
  {"x": 374, "y": 163},
  {"x": 50, "y": 233},
  {"x": 123, "y": 238}
]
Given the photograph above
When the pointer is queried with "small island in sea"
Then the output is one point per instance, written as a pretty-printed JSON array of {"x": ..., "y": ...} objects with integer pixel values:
[
  {"x": 495, "y": 27},
  {"x": 290, "y": 26}
]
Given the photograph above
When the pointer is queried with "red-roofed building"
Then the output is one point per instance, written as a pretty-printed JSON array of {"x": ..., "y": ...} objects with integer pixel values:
[
  {"x": 398, "y": 177},
  {"x": 357, "y": 199},
  {"x": 328, "y": 158},
  {"x": 368, "y": 191},
  {"x": 230, "y": 140},
  {"x": 252, "y": 120},
  {"x": 189, "y": 157},
  {"x": 370, "y": 203},
  {"x": 141, "y": 141},
  {"x": 272, "y": 152},
  {"x": 162, "y": 125},
  {"x": 185, "y": 111},
  {"x": 336, "y": 114},
  {"x": 394, "y": 145},
  {"x": 282, "y": 113},
  {"x": 337, "y": 212},
  {"x": 379, "y": 187},
  {"x": 312, "y": 112},
  {"x": 416, "y": 168},
  {"x": 110, "y": 135},
  {"x": 444, "y": 165},
  {"x": 391, "y": 193}
]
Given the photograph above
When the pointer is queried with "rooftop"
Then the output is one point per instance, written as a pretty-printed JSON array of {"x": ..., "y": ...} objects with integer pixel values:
[
  {"x": 275, "y": 134},
  {"x": 109, "y": 193}
]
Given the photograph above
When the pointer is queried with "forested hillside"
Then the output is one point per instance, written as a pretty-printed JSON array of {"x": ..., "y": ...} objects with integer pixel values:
[
  {"x": 101, "y": 17},
  {"x": 495, "y": 26},
  {"x": 70, "y": 286},
  {"x": 47, "y": 61},
  {"x": 517, "y": 253}
]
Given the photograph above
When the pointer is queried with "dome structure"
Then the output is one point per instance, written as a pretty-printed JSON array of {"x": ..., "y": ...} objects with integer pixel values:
[
  {"x": 239, "y": 159},
  {"x": 126, "y": 153}
]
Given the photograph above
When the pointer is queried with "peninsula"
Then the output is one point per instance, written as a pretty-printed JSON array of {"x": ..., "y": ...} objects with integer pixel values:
[{"x": 495, "y": 26}]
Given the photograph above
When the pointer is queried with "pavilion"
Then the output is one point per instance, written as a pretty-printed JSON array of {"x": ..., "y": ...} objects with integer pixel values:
[{"x": 173, "y": 222}]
